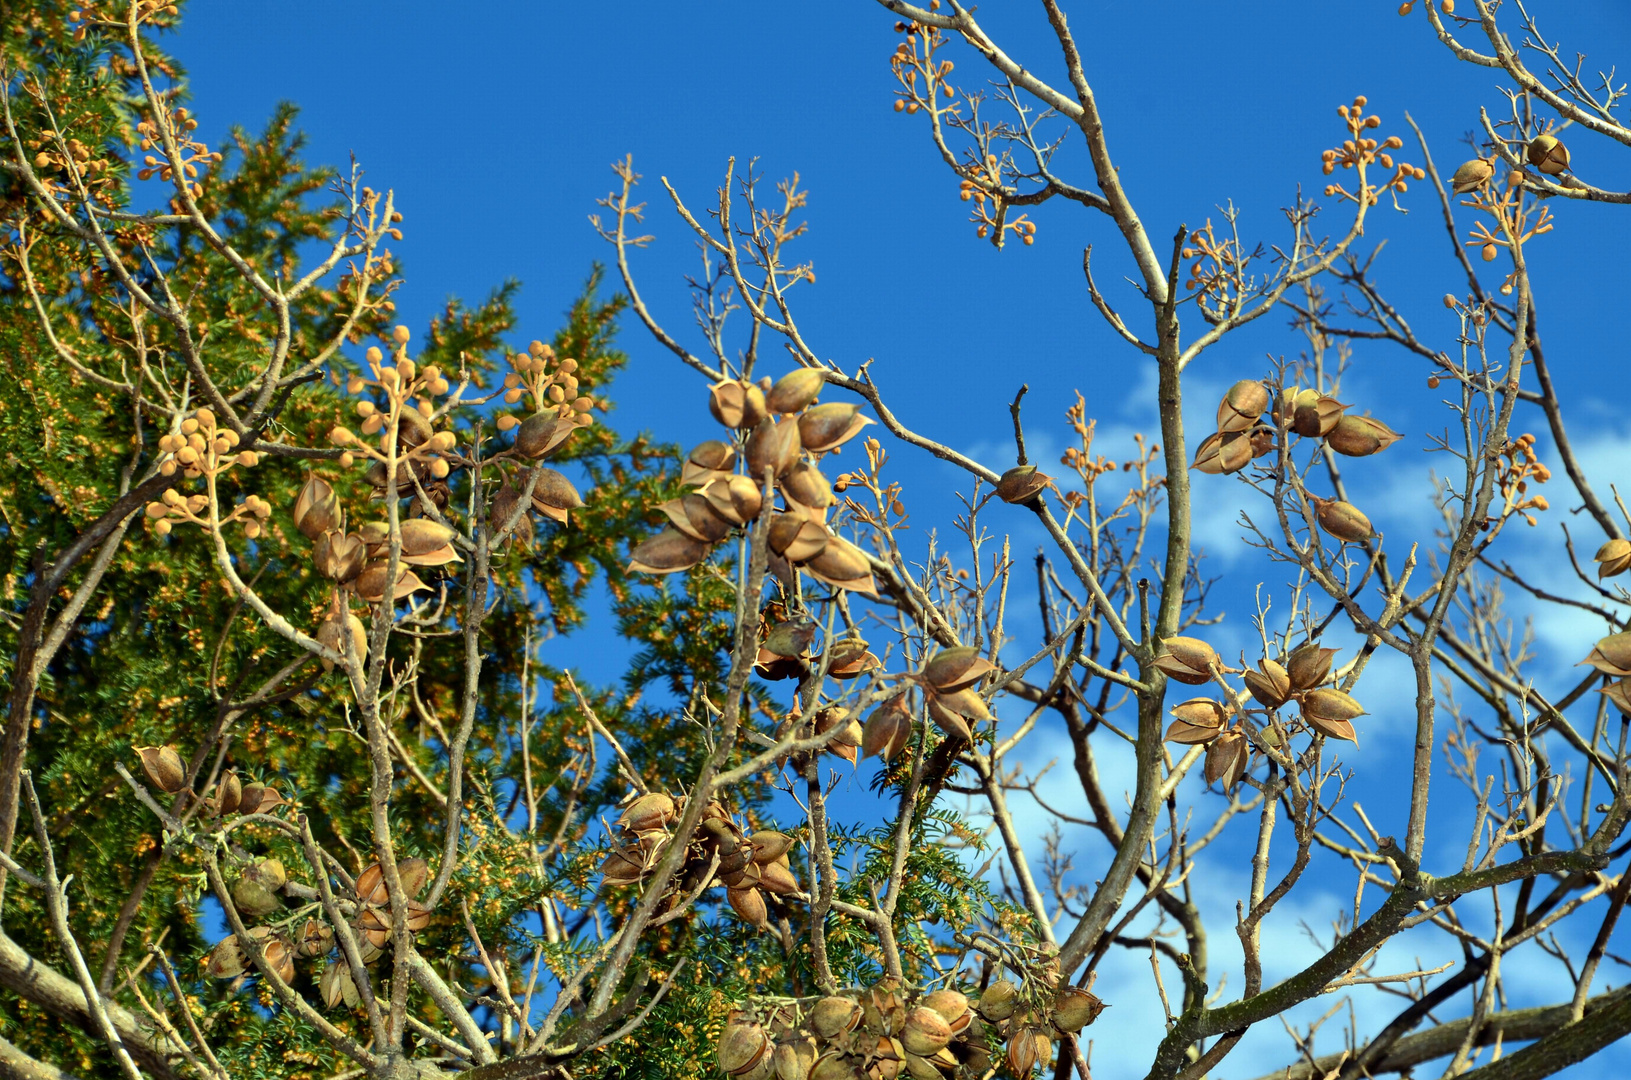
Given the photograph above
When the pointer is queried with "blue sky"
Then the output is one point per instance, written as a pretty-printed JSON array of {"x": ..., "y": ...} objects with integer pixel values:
[{"x": 495, "y": 125}]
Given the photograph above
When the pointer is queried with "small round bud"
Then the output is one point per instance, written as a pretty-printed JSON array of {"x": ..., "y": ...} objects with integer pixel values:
[
  {"x": 187, "y": 455},
  {"x": 354, "y": 385},
  {"x": 1449, "y": 301},
  {"x": 156, "y": 510},
  {"x": 162, "y": 526},
  {"x": 512, "y": 397},
  {"x": 205, "y": 417},
  {"x": 407, "y": 370},
  {"x": 365, "y": 408},
  {"x": 188, "y": 426},
  {"x": 347, "y": 460},
  {"x": 1432, "y": 382},
  {"x": 1489, "y": 252},
  {"x": 252, "y": 529},
  {"x": 506, "y": 422},
  {"x": 439, "y": 469},
  {"x": 374, "y": 354},
  {"x": 537, "y": 348},
  {"x": 400, "y": 334},
  {"x": 340, "y": 436}
]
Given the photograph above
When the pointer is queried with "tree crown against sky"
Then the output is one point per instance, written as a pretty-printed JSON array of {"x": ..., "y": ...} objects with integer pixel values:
[{"x": 300, "y": 778}]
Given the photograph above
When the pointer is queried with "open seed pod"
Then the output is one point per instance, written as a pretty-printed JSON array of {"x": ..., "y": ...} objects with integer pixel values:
[
  {"x": 1331, "y": 712},
  {"x": 622, "y": 867},
  {"x": 316, "y": 938},
  {"x": 956, "y": 668},
  {"x": 853, "y": 665},
  {"x": 829, "y": 426},
  {"x": 734, "y": 498},
  {"x": 842, "y": 565},
  {"x": 696, "y": 517},
  {"x": 1226, "y": 758},
  {"x": 1187, "y": 660},
  {"x": 954, "y": 711},
  {"x": 277, "y": 952},
  {"x": 336, "y": 985},
  {"x": 737, "y": 404},
  {"x": 1611, "y": 655},
  {"x": 848, "y": 741},
  {"x": 503, "y": 507},
  {"x": 1022, "y": 483},
  {"x": 339, "y": 556},
  {"x": 1619, "y": 695},
  {"x": 1613, "y": 558},
  {"x": 1548, "y": 155},
  {"x": 796, "y": 538},
  {"x": 541, "y": 433},
  {"x": 1198, "y": 720},
  {"x": 1471, "y": 175},
  {"x": 773, "y": 447},
  {"x": 258, "y": 799},
  {"x": 1314, "y": 415},
  {"x": 795, "y": 390},
  {"x": 1074, "y": 1008},
  {"x": 1309, "y": 665},
  {"x": 654, "y": 810},
  {"x": 667, "y": 552},
  {"x": 741, "y": 1046},
  {"x": 316, "y": 508},
  {"x": 163, "y": 767},
  {"x": 552, "y": 494},
  {"x": 1242, "y": 404},
  {"x": 807, "y": 486},
  {"x": 228, "y": 793},
  {"x": 1225, "y": 452},
  {"x": 1270, "y": 684},
  {"x": 1028, "y": 1048},
  {"x": 370, "y": 584}
]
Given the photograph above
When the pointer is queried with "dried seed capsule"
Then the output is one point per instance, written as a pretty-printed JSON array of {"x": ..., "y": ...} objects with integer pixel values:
[
  {"x": 796, "y": 538},
  {"x": 956, "y": 668},
  {"x": 795, "y": 390},
  {"x": 924, "y": 1032},
  {"x": 651, "y": 811},
  {"x": 741, "y": 1045},
  {"x": 1021, "y": 484},
  {"x": 226, "y": 960},
  {"x": 163, "y": 767},
  {"x": 1074, "y": 1008},
  {"x": 316, "y": 508},
  {"x": 1315, "y": 415},
  {"x": 1361, "y": 436},
  {"x": 1198, "y": 720},
  {"x": 1226, "y": 758},
  {"x": 331, "y": 634},
  {"x": 1330, "y": 712},
  {"x": 1242, "y": 404},
  {"x": 1611, "y": 655},
  {"x": 339, "y": 556},
  {"x": 843, "y": 566},
  {"x": 228, "y": 792},
  {"x": 1270, "y": 684},
  {"x": 1342, "y": 520},
  {"x": 737, "y": 404},
  {"x": 887, "y": 729},
  {"x": 791, "y": 637},
  {"x": 1186, "y": 659},
  {"x": 667, "y": 552},
  {"x": 337, "y": 985},
  {"x": 998, "y": 1001},
  {"x": 1224, "y": 452},
  {"x": 1613, "y": 558},
  {"x": 258, "y": 799},
  {"x": 833, "y": 1016},
  {"x": 774, "y": 447},
  {"x": 1548, "y": 155},
  {"x": 805, "y": 485},
  {"x": 1471, "y": 175},
  {"x": 826, "y": 427},
  {"x": 1309, "y": 665},
  {"x": 1619, "y": 695}
]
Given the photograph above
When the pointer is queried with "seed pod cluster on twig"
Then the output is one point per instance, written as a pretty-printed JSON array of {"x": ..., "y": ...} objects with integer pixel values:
[
  {"x": 781, "y": 433},
  {"x": 1612, "y": 657},
  {"x": 749, "y": 866},
  {"x": 1299, "y": 677},
  {"x": 886, "y": 1032}
]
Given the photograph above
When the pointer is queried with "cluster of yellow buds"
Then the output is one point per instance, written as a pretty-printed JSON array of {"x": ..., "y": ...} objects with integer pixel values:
[
  {"x": 1359, "y": 150},
  {"x": 557, "y": 398},
  {"x": 193, "y": 153},
  {"x": 1517, "y": 465},
  {"x": 204, "y": 448},
  {"x": 913, "y": 59}
]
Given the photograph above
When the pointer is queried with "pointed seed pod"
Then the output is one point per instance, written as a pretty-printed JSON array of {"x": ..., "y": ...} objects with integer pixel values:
[
  {"x": 1198, "y": 720},
  {"x": 1226, "y": 758},
  {"x": 650, "y": 811},
  {"x": 956, "y": 668},
  {"x": 736, "y": 404},
  {"x": 795, "y": 390},
  {"x": 331, "y": 635},
  {"x": 339, "y": 556},
  {"x": 1342, "y": 520},
  {"x": 163, "y": 767},
  {"x": 1619, "y": 695},
  {"x": 1330, "y": 712},
  {"x": 796, "y": 538},
  {"x": 1611, "y": 655},
  {"x": 1074, "y": 1008},
  {"x": 887, "y": 729},
  {"x": 226, "y": 960},
  {"x": 1022, "y": 483},
  {"x": 1361, "y": 436},
  {"x": 420, "y": 536},
  {"x": 316, "y": 508},
  {"x": 336, "y": 985},
  {"x": 1309, "y": 665},
  {"x": 1242, "y": 404},
  {"x": 769, "y": 845},
  {"x": 228, "y": 793},
  {"x": 667, "y": 552},
  {"x": 773, "y": 446},
  {"x": 805, "y": 485},
  {"x": 1270, "y": 684},
  {"x": 826, "y": 427},
  {"x": 258, "y": 799},
  {"x": 1224, "y": 452},
  {"x": 1187, "y": 660},
  {"x": 1314, "y": 415},
  {"x": 1548, "y": 155},
  {"x": 777, "y": 878},
  {"x": 1472, "y": 175},
  {"x": 842, "y": 565},
  {"x": 534, "y": 438},
  {"x": 1613, "y": 558}
]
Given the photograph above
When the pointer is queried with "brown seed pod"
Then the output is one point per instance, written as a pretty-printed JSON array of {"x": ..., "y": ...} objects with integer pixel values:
[
  {"x": 1361, "y": 436},
  {"x": 805, "y": 484},
  {"x": 542, "y": 432},
  {"x": 1224, "y": 452},
  {"x": 843, "y": 566},
  {"x": 226, "y": 960},
  {"x": 847, "y": 742},
  {"x": 316, "y": 508},
  {"x": 1309, "y": 665},
  {"x": 734, "y": 498},
  {"x": 622, "y": 868},
  {"x": 1342, "y": 520},
  {"x": 706, "y": 460},
  {"x": 370, "y": 584},
  {"x": 773, "y": 447},
  {"x": 1242, "y": 404},
  {"x": 1330, "y": 712},
  {"x": 737, "y": 404},
  {"x": 1619, "y": 695},
  {"x": 1548, "y": 155},
  {"x": 667, "y": 552},
  {"x": 1270, "y": 684},
  {"x": 1471, "y": 175},
  {"x": 831, "y": 425},
  {"x": 339, "y": 556},
  {"x": 1611, "y": 655},
  {"x": 651, "y": 811},
  {"x": 769, "y": 845},
  {"x": 1074, "y": 1008},
  {"x": 796, "y": 538},
  {"x": 1028, "y": 1048},
  {"x": 316, "y": 938},
  {"x": 833, "y": 1016},
  {"x": 1315, "y": 415},
  {"x": 336, "y": 985},
  {"x": 331, "y": 634},
  {"x": 793, "y": 1060},
  {"x": 924, "y": 1032},
  {"x": 741, "y": 1046},
  {"x": 955, "y": 669},
  {"x": 1187, "y": 660},
  {"x": 795, "y": 390},
  {"x": 887, "y": 729},
  {"x": 1198, "y": 720},
  {"x": 1022, "y": 483},
  {"x": 998, "y": 1001},
  {"x": 966, "y": 703},
  {"x": 552, "y": 494},
  {"x": 1226, "y": 758},
  {"x": 228, "y": 793},
  {"x": 1613, "y": 558},
  {"x": 777, "y": 878},
  {"x": 163, "y": 767},
  {"x": 258, "y": 799},
  {"x": 421, "y": 536}
]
